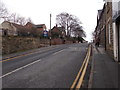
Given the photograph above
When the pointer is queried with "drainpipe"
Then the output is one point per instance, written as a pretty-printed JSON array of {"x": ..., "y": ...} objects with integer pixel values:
[{"x": 50, "y": 29}]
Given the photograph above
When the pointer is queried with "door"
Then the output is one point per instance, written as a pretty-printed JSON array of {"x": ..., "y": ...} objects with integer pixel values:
[{"x": 119, "y": 42}]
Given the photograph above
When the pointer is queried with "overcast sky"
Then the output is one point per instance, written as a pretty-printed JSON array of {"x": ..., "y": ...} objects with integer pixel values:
[{"x": 39, "y": 11}]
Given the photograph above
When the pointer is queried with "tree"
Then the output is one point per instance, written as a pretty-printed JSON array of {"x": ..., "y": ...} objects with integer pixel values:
[
  {"x": 3, "y": 11},
  {"x": 71, "y": 23},
  {"x": 15, "y": 18},
  {"x": 29, "y": 20}
]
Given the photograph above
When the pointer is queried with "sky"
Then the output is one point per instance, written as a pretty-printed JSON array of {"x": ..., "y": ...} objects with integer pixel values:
[{"x": 39, "y": 11}]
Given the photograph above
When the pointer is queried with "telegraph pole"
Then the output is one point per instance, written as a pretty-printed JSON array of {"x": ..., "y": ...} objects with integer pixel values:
[{"x": 50, "y": 29}]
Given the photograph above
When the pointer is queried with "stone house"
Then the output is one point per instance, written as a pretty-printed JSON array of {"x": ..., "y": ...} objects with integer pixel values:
[
  {"x": 58, "y": 35},
  {"x": 108, "y": 28},
  {"x": 31, "y": 27},
  {"x": 58, "y": 32},
  {"x": 40, "y": 28},
  {"x": 13, "y": 29},
  {"x": 102, "y": 22},
  {"x": 8, "y": 29},
  {"x": 100, "y": 28}
]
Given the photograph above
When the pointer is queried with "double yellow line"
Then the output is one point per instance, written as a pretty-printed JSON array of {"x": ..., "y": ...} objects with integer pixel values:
[{"x": 80, "y": 76}]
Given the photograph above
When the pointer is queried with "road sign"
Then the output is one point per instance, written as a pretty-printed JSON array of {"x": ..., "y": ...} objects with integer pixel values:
[{"x": 45, "y": 33}]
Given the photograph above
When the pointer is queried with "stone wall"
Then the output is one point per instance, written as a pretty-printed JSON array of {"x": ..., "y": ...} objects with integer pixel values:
[
  {"x": 109, "y": 31},
  {"x": 15, "y": 44},
  {"x": 56, "y": 41}
]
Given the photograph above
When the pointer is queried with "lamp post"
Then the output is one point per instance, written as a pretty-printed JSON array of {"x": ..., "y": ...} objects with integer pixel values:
[{"x": 50, "y": 29}]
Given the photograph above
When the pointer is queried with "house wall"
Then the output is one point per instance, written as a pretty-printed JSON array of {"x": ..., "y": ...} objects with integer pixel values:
[
  {"x": 109, "y": 31},
  {"x": 42, "y": 29},
  {"x": 102, "y": 40},
  {"x": 11, "y": 30},
  {"x": 102, "y": 28}
]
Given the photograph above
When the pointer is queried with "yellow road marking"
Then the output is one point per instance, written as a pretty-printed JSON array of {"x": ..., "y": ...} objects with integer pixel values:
[
  {"x": 83, "y": 73},
  {"x": 75, "y": 81},
  {"x": 83, "y": 67}
]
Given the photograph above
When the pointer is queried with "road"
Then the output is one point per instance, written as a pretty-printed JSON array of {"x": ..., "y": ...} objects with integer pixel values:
[{"x": 51, "y": 67}]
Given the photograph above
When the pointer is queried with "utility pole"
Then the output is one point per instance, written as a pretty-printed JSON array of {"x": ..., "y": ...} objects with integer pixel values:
[{"x": 50, "y": 29}]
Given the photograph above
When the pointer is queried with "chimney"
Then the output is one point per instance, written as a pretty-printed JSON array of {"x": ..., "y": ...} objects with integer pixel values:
[{"x": 56, "y": 25}]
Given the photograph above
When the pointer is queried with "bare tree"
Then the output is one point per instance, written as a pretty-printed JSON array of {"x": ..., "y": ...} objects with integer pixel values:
[
  {"x": 3, "y": 11},
  {"x": 71, "y": 23},
  {"x": 62, "y": 20},
  {"x": 12, "y": 18},
  {"x": 15, "y": 18},
  {"x": 21, "y": 20},
  {"x": 29, "y": 20}
]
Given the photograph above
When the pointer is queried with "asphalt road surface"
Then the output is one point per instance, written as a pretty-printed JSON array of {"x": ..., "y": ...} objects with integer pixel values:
[{"x": 51, "y": 67}]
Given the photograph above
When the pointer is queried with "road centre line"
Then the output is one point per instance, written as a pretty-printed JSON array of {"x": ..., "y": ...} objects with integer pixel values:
[
  {"x": 58, "y": 52},
  {"x": 20, "y": 68}
]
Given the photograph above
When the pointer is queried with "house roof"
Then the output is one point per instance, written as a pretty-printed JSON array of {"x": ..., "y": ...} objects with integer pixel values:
[
  {"x": 29, "y": 23},
  {"x": 40, "y": 26},
  {"x": 59, "y": 28},
  {"x": 18, "y": 26}
]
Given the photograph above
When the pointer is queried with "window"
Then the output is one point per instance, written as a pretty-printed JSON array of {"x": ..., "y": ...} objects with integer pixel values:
[{"x": 109, "y": 37}]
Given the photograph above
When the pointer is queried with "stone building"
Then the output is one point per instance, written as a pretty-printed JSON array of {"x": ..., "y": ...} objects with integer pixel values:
[
  {"x": 100, "y": 30},
  {"x": 108, "y": 28},
  {"x": 8, "y": 29},
  {"x": 103, "y": 27}
]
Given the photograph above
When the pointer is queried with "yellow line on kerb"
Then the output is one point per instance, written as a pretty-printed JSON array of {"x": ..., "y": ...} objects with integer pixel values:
[{"x": 83, "y": 67}]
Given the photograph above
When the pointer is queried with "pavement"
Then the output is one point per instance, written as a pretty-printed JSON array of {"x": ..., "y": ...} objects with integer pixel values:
[{"x": 104, "y": 71}]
